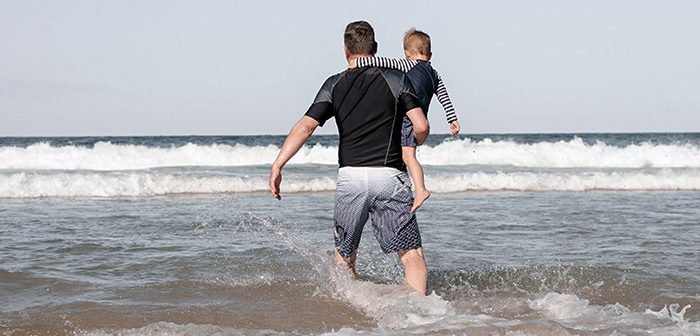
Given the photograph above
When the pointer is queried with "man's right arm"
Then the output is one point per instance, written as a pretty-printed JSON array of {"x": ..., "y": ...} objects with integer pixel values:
[
  {"x": 295, "y": 140},
  {"x": 319, "y": 112}
]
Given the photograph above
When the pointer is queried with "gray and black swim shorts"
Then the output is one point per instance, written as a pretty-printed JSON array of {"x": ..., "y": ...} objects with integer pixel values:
[{"x": 381, "y": 194}]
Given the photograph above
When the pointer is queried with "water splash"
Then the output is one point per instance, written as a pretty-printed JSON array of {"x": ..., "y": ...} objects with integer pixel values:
[
  {"x": 528, "y": 299},
  {"x": 671, "y": 311}
]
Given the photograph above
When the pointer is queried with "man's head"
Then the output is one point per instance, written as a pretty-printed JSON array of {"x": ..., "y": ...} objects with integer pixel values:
[
  {"x": 416, "y": 45},
  {"x": 359, "y": 39}
]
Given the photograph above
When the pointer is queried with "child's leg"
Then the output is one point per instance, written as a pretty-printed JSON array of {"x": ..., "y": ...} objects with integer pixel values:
[{"x": 416, "y": 171}]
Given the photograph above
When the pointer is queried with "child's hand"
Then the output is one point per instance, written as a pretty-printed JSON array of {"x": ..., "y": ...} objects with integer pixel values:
[
  {"x": 353, "y": 63},
  {"x": 454, "y": 127}
]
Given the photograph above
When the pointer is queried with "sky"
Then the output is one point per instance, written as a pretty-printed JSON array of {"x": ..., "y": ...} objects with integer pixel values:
[{"x": 78, "y": 68}]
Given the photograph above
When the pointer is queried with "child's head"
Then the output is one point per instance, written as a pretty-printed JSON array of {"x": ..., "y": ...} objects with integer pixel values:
[{"x": 416, "y": 45}]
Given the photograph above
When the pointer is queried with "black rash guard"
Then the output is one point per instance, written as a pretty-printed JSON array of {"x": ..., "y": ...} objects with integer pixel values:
[{"x": 369, "y": 105}]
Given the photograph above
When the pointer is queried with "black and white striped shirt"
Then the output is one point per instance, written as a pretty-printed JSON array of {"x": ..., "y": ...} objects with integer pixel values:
[{"x": 406, "y": 65}]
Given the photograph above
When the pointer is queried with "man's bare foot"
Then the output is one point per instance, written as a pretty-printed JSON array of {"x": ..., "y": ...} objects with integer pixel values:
[{"x": 421, "y": 197}]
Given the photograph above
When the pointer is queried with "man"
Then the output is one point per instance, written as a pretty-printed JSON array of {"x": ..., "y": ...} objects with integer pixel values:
[{"x": 368, "y": 105}]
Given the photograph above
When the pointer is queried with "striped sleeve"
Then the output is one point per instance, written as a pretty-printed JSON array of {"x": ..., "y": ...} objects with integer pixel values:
[
  {"x": 404, "y": 65},
  {"x": 444, "y": 100}
]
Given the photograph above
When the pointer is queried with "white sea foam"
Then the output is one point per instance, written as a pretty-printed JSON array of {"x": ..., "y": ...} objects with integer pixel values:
[
  {"x": 579, "y": 314},
  {"x": 114, "y": 184},
  {"x": 661, "y": 179},
  {"x": 400, "y": 313},
  {"x": 153, "y": 183},
  {"x": 562, "y": 154},
  {"x": 108, "y": 156}
]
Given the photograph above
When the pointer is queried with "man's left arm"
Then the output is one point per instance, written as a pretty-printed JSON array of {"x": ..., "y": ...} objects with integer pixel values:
[
  {"x": 409, "y": 104},
  {"x": 421, "y": 127},
  {"x": 295, "y": 140}
]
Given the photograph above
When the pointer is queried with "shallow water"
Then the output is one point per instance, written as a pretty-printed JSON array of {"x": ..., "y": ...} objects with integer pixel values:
[{"x": 517, "y": 263}]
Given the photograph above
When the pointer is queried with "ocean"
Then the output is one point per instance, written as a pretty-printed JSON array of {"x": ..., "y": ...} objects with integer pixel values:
[{"x": 525, "y": 234}]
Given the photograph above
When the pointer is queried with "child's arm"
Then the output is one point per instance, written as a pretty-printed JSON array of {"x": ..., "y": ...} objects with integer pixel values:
[
  {"x": 444, "y": 99},
  {"x": 386, "y": 62}
]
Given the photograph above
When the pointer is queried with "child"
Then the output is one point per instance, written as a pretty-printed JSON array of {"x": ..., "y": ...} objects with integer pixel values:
[{"x": 426, "y": 81}]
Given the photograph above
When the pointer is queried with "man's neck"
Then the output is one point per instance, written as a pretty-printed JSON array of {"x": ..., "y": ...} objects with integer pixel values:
[{"x": 356, "y": 56}]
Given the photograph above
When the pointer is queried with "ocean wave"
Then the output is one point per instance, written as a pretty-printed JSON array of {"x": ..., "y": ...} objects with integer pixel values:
[
  {"x": 154, "y": 183},
  {"x": 108, "y": 156},
  {"x": 662, "y": 179},
  {"x": 562, "y": 154},
  {"x": 135, "y": 184}
]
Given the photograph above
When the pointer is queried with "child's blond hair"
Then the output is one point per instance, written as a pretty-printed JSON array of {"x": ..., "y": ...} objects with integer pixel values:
[{"x": 417, "y": 41}]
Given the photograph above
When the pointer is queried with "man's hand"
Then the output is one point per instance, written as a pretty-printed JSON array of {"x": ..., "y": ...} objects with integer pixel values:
[
  {"x": 454, "y": 127},
  {"x": 275, "y": 181},
  {"x": 296, "y": 139}
]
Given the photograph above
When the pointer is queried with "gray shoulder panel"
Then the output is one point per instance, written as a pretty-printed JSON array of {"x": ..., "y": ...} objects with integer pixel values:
[
  {"x": 326, "y": 92},
  {"x": 395, "y": 80}
]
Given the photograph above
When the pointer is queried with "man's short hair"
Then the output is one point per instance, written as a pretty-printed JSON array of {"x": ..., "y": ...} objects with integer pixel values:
[
  {"x": 359, "y": 38},
  {"x": 417, "y": 41}
]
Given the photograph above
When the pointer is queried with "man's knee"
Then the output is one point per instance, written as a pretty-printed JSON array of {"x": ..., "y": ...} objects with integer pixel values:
[{"x": 412, "y": 257}]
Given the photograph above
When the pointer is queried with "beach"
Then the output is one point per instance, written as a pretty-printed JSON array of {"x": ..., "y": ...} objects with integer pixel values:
[{"x": 525, "y": 234}]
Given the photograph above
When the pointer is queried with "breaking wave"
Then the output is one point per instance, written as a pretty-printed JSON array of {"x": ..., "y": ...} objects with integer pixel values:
[
  {"x": 154, "y": 183},
  {"x": 562, "y": 154}
]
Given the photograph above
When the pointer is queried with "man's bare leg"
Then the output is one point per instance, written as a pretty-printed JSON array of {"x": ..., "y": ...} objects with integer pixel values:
[
  {"x": 416, "y": 171},
  {"x": 415, "y": 270},
  {"x": 348, "y": 263}
]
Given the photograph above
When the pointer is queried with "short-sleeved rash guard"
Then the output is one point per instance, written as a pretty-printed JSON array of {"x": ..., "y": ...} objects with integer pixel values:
[{"x": 369, "y": 105}]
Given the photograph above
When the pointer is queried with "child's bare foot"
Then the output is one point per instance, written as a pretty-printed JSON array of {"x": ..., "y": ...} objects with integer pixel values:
[{"x": 421, "y": 197}]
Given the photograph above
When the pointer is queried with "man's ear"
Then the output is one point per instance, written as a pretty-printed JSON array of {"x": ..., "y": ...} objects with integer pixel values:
[{"x": 347, "y": 52}]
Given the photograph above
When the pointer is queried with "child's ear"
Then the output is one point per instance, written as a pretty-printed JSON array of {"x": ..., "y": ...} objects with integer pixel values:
[{"x": 405, "y": 53}]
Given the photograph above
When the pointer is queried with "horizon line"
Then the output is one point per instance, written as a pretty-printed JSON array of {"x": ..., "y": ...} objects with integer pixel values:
[{"x": 275, "y": 135}]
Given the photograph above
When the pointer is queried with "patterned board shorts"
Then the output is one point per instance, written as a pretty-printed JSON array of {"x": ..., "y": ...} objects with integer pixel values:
[
  {"x": 381, "y": 194},
  {"x": 408, "y": 138}
]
